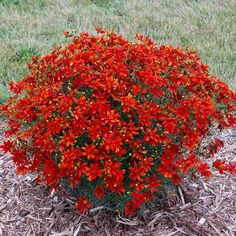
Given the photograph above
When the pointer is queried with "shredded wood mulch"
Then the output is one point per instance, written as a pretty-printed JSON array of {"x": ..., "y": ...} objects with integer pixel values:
[{"x": 202, "y": 208}]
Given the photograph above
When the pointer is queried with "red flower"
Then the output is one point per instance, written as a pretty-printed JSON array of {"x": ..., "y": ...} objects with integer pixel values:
[
  {"x": 7, "y": 146},
  {"x": 166, "y": 171},
  {"x": 69, "y": 157},
  {"x": 232, "y": 168},
  {"x": 112, "y": 141},
  {"x": 204, "y": 170},
  {"x": 67, "y": 140},
  {"x": 129, "y": 209},
  {"x": 83, "y": 204},
  {"x": 99, "y": 192},
  {"x": 221, "y": 166},
  {"x": 215, "y": 146},
  {"x": 153, "y": 183},
  {"x": 93, "y": 172},
  {"x": 90, "y": 151}
]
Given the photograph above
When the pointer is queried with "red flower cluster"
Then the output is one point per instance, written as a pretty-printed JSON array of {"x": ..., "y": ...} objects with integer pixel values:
[{"x": 117, "y": 113}]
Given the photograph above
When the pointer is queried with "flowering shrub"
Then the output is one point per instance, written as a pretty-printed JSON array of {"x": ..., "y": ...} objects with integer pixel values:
[{"x": 119, "y": 115}]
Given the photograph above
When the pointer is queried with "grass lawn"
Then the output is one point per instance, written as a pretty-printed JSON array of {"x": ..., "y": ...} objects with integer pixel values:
[{"x": 34, "y": 27}]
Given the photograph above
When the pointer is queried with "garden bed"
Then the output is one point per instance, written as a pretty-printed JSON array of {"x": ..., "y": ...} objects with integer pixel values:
[{"x": 202, "y": 208}]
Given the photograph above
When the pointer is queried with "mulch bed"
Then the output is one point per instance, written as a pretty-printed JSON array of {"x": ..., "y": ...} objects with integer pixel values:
[{"x": 202, "y": 208}]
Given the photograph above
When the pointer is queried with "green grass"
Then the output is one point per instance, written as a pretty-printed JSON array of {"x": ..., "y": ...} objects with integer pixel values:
[{"x": 30, "y": 27}]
